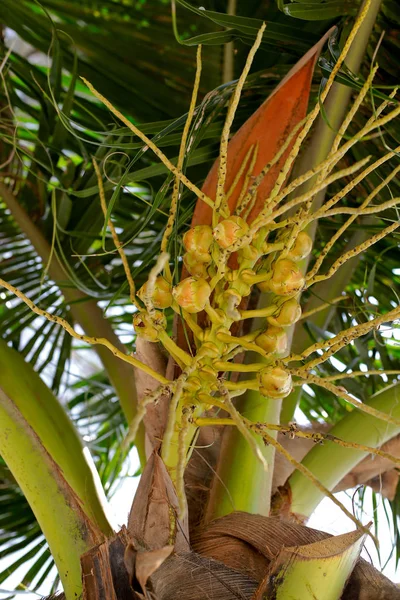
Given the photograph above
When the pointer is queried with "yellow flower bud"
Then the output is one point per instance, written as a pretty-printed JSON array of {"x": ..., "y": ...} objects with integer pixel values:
[
  {"x": 286, "y": 278},
  {"x": 274, "y": 340},
  {"x": 287, "y": 314},
  {"x": 228, "y": 231},
  {"x": 162, "y": 293},
  {"x": 249, "y": 253},
  {"x": 195, "y": 267},
  {"x": 198, "y": 241},
  {"x": 275, "y": 382},
  {"x": 148, "y": 328},
  {"x": 301, "y": 248},
  {"x": 228, "y": 302},
  {"x": 192, "y": 294}
]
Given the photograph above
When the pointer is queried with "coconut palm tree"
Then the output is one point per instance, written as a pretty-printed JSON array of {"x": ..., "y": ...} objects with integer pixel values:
[{"x": 253, "y": 242}]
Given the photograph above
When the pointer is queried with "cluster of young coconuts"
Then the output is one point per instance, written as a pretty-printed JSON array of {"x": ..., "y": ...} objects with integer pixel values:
[{"x": 284, "y": 279}]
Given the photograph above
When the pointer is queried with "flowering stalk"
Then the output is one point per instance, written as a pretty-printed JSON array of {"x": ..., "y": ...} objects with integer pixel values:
[{"x": 226, "y": 259}]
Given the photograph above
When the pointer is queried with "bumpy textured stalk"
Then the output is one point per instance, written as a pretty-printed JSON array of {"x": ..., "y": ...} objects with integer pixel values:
[
  {"x": 335, "y": 106},
  {"x": 249, "y": 487}
]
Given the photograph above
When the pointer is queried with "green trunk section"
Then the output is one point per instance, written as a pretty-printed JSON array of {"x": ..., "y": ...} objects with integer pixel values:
[
  {"x": 331, "y": 462},
  {"x": 316, "y": 571},
  {"x": 240, "y": 472},
  {"x": 68, "y": 530},
  {"x": 50, "y": 423},
  {"x": 242, "y": 483}
]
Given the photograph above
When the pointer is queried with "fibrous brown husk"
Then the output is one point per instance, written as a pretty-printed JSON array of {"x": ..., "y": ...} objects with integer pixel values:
[
  {"x": 200, "y": 471},
  {"x": 194, "y": 577},
  {"x": 153, "y": 521},
  {"x": 104, "y": 574},
  {"x": 231, "y": 557},
  {"x": 265, "y": 537},
  {"x": 150, "y": 353},
  {"x": 181, "y": 577}
]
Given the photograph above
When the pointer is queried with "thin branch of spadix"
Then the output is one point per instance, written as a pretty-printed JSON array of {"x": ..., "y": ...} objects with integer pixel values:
[
  {"x": 83, "y": 338},
  {"x": 329, "y": 245},
  {"x": 301, "y": 219},
  {"x": 315, "y": 112},
  {"x": 118, "y": 245},
  {"x": 353, "y": 110},
  {"x": 242, "y": 426},
  {"x": 243, "y": 206},
  {"x": 170, "y": 166},
  {"x": 342, "y": 339},
  {"x": 351, "y": 254},
  {"x": 356, "y": 211},
  {"x": 345, "y": 375},
  {"x": 340, "y": 392},
  {"x": 173, "y": 406},
  {"x": 293, "y": 431},
  {"x": 252, "y": 191},
  {"x": 319, "y": 437},
  {"x": 182, "y": 459},
  {"x": 265, "y": 215},
  {"x": 234, "y": 102},
  {"x": 181, "y": 156},
  {"x": 271, "y": 216},
  {"x": 269, "y": 439},
  {"x": 313, "y": 311}
]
